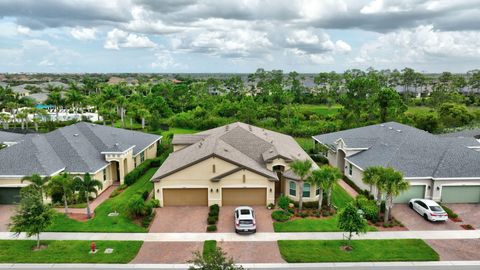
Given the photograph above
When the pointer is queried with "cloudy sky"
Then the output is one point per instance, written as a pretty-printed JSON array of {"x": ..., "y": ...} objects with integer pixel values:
[{"x": 238, "y": 35}]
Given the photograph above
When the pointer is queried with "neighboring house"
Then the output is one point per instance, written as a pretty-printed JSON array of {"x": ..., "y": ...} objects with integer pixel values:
[
  {"x": 107, "y": 153},
  {"x": 235, "y": 164},
  {"x": 441, "y": 168}
]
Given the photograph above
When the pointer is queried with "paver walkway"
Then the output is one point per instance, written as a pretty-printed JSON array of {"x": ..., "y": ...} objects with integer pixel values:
[
  {"x": 352, "y": 192},
  {"x": 456, "y": 249},
  {"x": 167, "y": 252},
  {"x": 252, "y": 252},
  {"x": 199, "y": 237}
]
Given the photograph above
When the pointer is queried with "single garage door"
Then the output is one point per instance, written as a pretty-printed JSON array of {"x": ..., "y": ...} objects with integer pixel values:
[
  {"x": 9, "y": 195},
  {"x": 244, "y": 196},
  {"x": 412, "y": 192},
  {"x": 460, "y": 194},
  {"x": 185, "y": 197}
]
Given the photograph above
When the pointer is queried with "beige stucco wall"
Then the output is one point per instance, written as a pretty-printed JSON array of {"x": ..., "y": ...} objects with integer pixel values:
[
  {"x": 296, "y": 198},
  {"x": 277, "y": 162},
  {"x": 12, "y": 182},
  {"x": 199, "y": 175}
]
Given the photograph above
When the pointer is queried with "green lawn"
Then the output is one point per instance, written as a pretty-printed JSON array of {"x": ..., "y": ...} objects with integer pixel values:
[
  {"x": 102, "y": 222},
  {"x": 340, "y": 199},
  {"x": 20, "y": 251},
  {"x": 310, "y": 251},
  {"x": 208, "y": 247},
  {"x": 320, "y": 109}
]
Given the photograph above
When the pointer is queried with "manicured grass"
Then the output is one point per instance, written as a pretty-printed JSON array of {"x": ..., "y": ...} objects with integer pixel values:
[
  {"x": 208, "y": 247},
  {"x": 340, "y": 199},
  {"x": 102, "y": 222},
  {"x": 20, "y": 251},
  {"x": 320, "y": 109},
  {"x": 310, "y": 251}
]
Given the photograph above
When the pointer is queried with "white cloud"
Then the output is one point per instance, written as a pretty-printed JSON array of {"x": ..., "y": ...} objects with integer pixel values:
[
  {"x": 117, "y": 39},
  {"x": 84, "y": 33},
  {"x": 342, "y": 47},
  {"x": 22, "y": 30},
  {"x": 422, "y": 44},
  {"x": 163, "y": 61},
  {"x": 46, "y": 62}
]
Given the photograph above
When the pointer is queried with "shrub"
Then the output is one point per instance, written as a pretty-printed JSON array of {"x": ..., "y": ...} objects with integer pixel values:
[
  {"x": 145, "y": 195},
  {"x": 283, "y": 202},
  {"x": 155, "y": 203},
  {"x": 215, "y": 207},
  {"x": 209, "y": 247},
  {"x": 271, "y": 206},
  {"x": 302, "y": 214},
  {"x": 211, "y": 220},
  {"x": 211, "y": 228},
  {"x": 147, "y": 220},
  {"x": 213, "y": 212},
  {"x": 141, "y": 169},
  {"x": 136, "y": 206},
  {"x": 449, "y": 211},
  {"x": 280, "y": 215},
  {"x": 369, "y": 208}
]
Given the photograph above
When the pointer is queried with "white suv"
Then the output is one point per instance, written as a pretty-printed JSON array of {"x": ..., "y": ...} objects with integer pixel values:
[
  {"x": 429, "y": 209},
  {"x": 245, "y": 220}
]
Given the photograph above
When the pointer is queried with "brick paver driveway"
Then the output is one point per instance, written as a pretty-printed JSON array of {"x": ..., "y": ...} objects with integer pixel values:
[
  {"x": 414, "y": 222},
  {"x": 468, "y": 212},
  {"x": 180, "y": 219},
  {"x": 263, "y": 219},
  {"x": 252, "y": 252},
  {"x": 456, "y": 250},
  {"x": 167, "y": 252},
  {"x": 6, "y": 211}
]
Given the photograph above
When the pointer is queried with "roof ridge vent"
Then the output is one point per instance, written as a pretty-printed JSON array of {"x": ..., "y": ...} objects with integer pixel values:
[
  {"x": 200, "y": 145},
  {"x": 399, "y": 130},
  {"x": 250, "y": 128},
  {"x": 75, "y": 135},
  {"x": 226, "y": 128},
  {"x": 116, "y": 144},
  {"x": 390, "y": 128},
  {"x": 382, "y": 125}
]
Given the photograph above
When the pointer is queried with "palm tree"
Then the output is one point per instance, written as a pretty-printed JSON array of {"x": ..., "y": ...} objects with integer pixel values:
[
  {"x": 22, "y": 116},
  {"x": 371, "y": 177},
  {"x": 318, "y": 179},
  {"x": 55, "y": 99},
  {"x": 64, "y": 182},
  {"x": 74, "y": 98},
  {"x": 87, "y": 185},
  {"x": 37, "y": 181},
  {"x": 301, "y": 168},
  {"x": 393, "y": 183},
  {"x": 4, "y": 118},
  {"x": 331, "y": 176}
]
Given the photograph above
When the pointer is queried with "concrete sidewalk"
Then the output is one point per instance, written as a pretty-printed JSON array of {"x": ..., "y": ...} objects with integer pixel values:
[
  {"x": 293, "y": 266},
  {"x": 196, "y": 237}
]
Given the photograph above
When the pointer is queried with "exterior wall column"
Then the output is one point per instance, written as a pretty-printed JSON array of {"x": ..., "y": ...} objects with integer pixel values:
[{"x": 121, "y": 169}]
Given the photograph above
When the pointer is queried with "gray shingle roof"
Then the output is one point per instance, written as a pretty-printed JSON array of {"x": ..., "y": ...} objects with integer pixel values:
[
  {"x": 238, "y": 143},
  {"x": 77, "y": 148},
  {"x": 413, "y": 151},
  {"x": 10, "y": 136}
]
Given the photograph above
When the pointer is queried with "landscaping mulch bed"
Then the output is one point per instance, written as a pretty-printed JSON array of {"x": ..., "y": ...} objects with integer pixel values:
[
  {"x": 467, "y": 227},
  {"x": 78, "y": 216}
]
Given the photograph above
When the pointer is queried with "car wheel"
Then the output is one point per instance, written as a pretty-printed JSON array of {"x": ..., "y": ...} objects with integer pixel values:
[
  {"x": 410, "y": 205},
  {"x": 425, "y": 216},
  {"x": 236, "y": 231}
]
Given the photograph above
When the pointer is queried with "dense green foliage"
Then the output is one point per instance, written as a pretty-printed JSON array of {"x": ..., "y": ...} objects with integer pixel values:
[
  {"x": 209, "y": 247},
  {"x": 21, "y": 251},
  {"x": 311, "y": 251}
]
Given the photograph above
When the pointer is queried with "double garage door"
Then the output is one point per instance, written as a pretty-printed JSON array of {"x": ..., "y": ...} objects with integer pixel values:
[
  {"x": 460, "y": 194},
  {"x": 417, "y": 192},
  {"x": 9, "y": 195},
  {"x": 199, "y": 196}
]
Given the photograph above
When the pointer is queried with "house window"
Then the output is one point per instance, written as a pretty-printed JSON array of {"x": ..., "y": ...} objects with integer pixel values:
[
  {"x": 213, "y": 168},
  {"x": 104, "y": 175},
  {"x": 142, "y": 157},
  {"x": 306, "y": 190},
  {"x": 317, "y": 191},
  {"x": 293, "y": 189},
  {"x": 350, "y": 169},
  {"x": 135, "y": 162}
]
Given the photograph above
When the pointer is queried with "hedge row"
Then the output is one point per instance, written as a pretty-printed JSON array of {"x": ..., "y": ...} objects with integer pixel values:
[{"x": 140, "y": 170}]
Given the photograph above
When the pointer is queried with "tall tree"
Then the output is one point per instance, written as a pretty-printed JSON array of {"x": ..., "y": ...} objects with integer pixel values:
[
  {"x": 390, "y": 104},
  {"x": 32, "y": 216},
  {"x": 302, "y": 169},
  {"x": 55, "y": 98},
  {"x": 87, "y": 185}
]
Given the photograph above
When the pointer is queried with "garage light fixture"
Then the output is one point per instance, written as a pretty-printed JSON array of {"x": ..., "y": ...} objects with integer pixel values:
[
  {"x": 270, "y": 190},
  {"x": 217, "y": 190},
  {"x": 438, "y": 188},
  {"x": 211, "y": 190}
]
